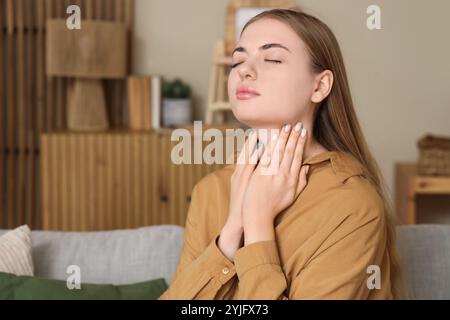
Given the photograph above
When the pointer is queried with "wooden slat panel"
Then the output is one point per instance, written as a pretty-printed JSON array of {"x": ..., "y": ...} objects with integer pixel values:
[
  {"x": 2, "y": 117},
  {"x": 40, "y": 83},
  {"x": 109, "y": 183},
  {"x": 54, "y": 165},
  {"x": 83, "y": 166},
  {"x": 11, "y": 98},
  {"x": 89, "y": 9},
  {"x": 46, "y": 179},
  {"x": 137, "y": 183},
  {"x": 109, "y": 8},
  {"x": 144, "y": 166},
  {"x": 65, "y": 172},
  {"x": 120, "y": 171},
  {"x": 50, "y": 85},
  {"x": 74, "y": 172},
  {"x": 90, "y": 176},
  {"x": 99, "y": 11},
  {"x": 126, "y": 175},
  {"x": 143, "y": 187},
  {"x": 100, "y": 172},
  {"x": 32, "y": 103},
  {"x": 30, "y": 113},
  {"x": 59, "y": 82},
  {"x": 154, "y": 175},
  {"x": 22, "y": 127}
]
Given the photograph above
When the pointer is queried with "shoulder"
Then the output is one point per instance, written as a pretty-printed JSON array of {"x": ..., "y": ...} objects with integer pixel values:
[
  {"x": 356, "y": 192},
  {"x": 365, "y": 202},
  {"x": 216, "y": 181},
  {"x": 209, "y": 199},
  {"x": 358, "y": 213}
]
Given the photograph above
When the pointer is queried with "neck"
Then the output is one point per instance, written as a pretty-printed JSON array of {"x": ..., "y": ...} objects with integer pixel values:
[{"x": 312, "y": 147}]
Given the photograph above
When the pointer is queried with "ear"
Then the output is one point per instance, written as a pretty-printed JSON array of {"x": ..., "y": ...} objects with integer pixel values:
[{"x": 323, "y": 85}]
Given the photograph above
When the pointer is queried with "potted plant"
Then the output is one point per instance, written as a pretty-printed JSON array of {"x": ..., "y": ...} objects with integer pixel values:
[{"x": 176, "y": 108}]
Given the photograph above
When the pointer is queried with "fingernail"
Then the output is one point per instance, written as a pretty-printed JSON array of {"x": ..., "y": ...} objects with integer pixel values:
[
  {"x": 287, "y": 127},
  {"x": 303, "y": 134},
  {"x": 307, "y": 169},
  {"x": 298, "y": 126}
]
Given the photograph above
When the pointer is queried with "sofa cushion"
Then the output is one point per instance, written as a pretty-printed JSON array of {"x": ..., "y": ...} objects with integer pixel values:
[
  {"x": 14, "y": 287},
  {"x": 15, "y": 251},
  {"x": 425, "y": 253},
  {"x": 110, "y": 257}
]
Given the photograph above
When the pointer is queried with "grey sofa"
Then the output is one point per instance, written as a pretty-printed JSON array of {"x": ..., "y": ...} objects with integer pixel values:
[
  {"x": 116, "y": 257},
  {"x": 127, "y": 256}
]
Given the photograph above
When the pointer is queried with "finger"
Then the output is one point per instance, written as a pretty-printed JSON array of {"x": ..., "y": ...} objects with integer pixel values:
[
  {"x": 247, "y": 150},
  {"x": 303, "y": 180},
  {"x": 288, "y": 154},
  {"x": 298, "y": 153},
  {"x": 268, "y": 149},
  {"x": 244, "y": 158},
  {"x": 282, "y": 140}
]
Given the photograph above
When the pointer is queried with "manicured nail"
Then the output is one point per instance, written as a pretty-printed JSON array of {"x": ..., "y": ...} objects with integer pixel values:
[
  {"x": 298, "y": 126},
  {"x": 287, "y": 127},
  {"x": 303, "y": 134}
]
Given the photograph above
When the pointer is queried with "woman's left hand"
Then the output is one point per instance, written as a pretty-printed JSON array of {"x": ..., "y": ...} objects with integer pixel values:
[{"x": 275, "y": 183}]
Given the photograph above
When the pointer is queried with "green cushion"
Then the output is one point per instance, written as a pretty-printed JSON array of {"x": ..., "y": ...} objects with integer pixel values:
[{"x": 26, "y": 287}]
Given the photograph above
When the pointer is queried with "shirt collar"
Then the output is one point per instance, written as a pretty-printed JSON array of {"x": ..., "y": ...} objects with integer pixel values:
[{"x": 344, "y": 164}]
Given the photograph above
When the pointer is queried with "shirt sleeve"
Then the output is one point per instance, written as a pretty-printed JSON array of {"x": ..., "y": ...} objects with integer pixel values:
[
  {"x": 202, "y": 269},
  {"x": 338, "y": 270},
  {"x": 259, "y": 271}
]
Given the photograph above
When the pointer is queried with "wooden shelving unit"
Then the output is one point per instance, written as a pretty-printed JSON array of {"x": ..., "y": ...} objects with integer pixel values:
[
  {"x": 217, "y": 95},
  {"x": 408, "y": 184},
  {"x": 115, "y": 180}
]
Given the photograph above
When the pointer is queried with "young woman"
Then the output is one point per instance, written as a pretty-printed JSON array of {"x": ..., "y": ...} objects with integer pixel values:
[{"x": 320, "y": 225}]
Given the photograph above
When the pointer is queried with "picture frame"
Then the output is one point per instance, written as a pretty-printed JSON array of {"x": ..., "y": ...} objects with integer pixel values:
[{"x": 240, "y": 11}]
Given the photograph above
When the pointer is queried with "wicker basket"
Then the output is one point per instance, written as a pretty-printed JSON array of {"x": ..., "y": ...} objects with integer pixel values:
[{"x": 434, "y": 155}]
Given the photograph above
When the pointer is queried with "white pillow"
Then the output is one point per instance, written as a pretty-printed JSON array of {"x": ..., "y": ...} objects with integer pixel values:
[{"x": 15, "y": 252}]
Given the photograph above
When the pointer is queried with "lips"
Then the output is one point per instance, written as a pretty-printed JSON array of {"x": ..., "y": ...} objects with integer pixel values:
[{"x": 244, "y": 93}]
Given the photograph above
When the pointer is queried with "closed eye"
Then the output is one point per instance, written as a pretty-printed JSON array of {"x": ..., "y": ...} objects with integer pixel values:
[
  {"x": 272, "y": 61},
  {"x": 235, "y": 65}
]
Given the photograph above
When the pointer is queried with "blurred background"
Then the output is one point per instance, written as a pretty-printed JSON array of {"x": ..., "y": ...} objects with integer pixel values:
[{"x": 86, "y": 114}]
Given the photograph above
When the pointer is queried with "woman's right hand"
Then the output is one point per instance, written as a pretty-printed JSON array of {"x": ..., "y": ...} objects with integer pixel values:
[{"x": 231, "y": 236}]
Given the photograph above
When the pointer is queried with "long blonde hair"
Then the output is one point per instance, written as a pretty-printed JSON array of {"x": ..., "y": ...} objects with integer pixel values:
[{"x": 336, "y": 126}]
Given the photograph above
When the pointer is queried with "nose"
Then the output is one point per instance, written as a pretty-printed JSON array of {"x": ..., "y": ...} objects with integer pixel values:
[{"x": 247, "y": 71}]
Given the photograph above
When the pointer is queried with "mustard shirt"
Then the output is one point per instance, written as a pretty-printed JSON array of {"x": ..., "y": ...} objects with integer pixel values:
[{"x": 325, "y": 243}]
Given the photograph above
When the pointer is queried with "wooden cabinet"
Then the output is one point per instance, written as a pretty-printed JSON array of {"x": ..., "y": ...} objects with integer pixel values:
[
  {"x": 408, "y": 185},
  {"x": 114, "y": 180}
]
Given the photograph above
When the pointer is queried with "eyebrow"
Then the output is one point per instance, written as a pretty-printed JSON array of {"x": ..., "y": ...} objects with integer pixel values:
[{"x": 263, "y": 47}]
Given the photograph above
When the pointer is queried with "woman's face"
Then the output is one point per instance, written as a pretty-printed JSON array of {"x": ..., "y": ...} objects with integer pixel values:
[{"x": 284, "y": 88}]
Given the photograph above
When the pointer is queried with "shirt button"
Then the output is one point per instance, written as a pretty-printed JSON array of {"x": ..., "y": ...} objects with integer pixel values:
[{"x": 225, "y": 270}]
